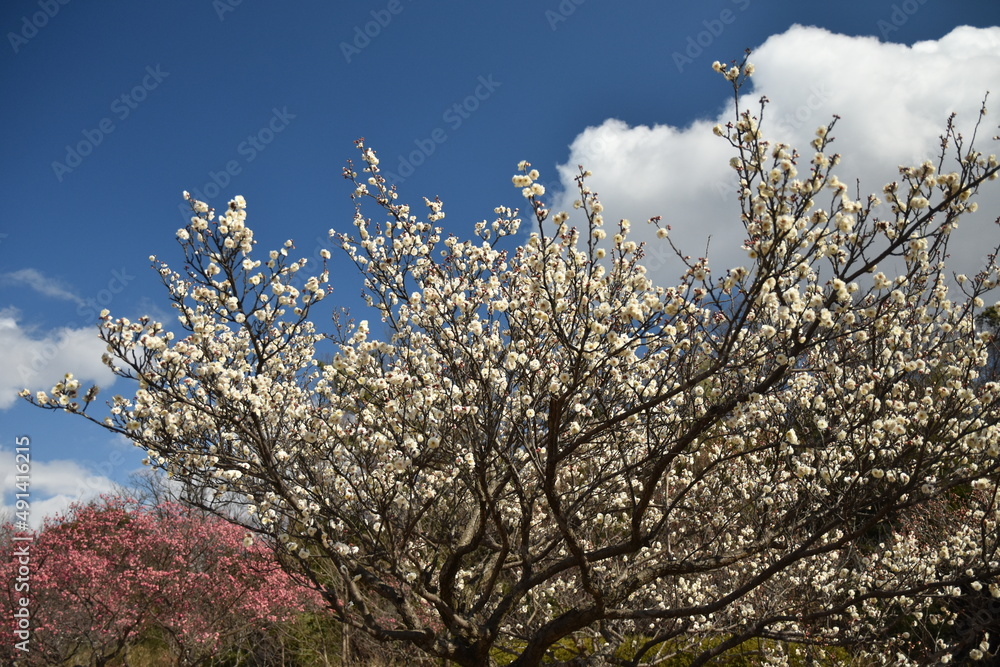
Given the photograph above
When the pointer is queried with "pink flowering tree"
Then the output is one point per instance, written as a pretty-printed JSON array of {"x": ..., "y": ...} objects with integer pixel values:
[
  {"x": 109, "y": 575},
  {"x": 540, "y": 454}
]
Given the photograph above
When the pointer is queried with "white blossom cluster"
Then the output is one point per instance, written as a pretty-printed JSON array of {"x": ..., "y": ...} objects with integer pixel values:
[{"x": 546, "y": 445}]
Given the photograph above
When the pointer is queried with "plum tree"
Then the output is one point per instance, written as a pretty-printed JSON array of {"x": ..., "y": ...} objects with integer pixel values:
[
  {"x": 549, "y": 457},
  {"x": 111, "y": 574}
]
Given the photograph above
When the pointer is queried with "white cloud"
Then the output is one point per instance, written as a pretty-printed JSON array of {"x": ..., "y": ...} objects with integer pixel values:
[
  {"x": 52, "y": 486},
  {"x": 42, "y": 284},
  {"x": 39, "y": 361},
  {"x": 893, "y": 101}
]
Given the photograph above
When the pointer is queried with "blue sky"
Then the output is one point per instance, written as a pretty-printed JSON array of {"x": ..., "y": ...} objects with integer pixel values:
[{"x": 110, "y": 113}]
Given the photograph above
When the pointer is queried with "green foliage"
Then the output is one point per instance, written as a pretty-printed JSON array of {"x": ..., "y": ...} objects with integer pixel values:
[
  {"x": 990, "y": 318},
  {"x": 313, "y": 638},
  {"x": 680, "y": 653}
]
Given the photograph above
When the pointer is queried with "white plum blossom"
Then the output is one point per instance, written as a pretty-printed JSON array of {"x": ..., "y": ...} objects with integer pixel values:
[{"x": 535, "y": 450}]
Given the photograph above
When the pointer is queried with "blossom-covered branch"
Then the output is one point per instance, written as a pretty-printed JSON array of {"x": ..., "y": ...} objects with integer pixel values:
[{"x": 550, "y": 455}]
